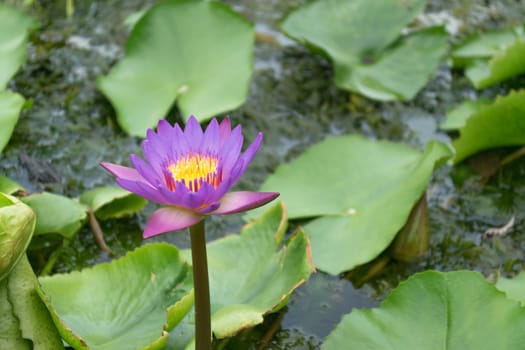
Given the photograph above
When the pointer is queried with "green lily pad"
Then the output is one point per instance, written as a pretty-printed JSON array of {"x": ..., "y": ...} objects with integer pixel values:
[
  {"x": 435, "y": 310},
  {"x": 14, "y": 31},
  {"x": 25, "y": 323},
  {"x": 492, "y": 57},
  {"x": 177, "y": 52},
  {"x": 34, "y": 322},
  {"x": 250, "y": 276},
  {"x": 9, "y": 186},
  {"x": 56, "y": 214},
  {"x": 10, "y": 334},
  {"x": 457, "y": 117},
  {"x": 360, "y": 192},
  {"x": 513, "y": 287},
  {"x": 10, "y": 107},
  {"x": 112, "y": 202},
  {"x": 17, "y": 223},
  {"x": 364, "y": 41},
  {"x": 500, "y": 124},
  {"x": 129, "y": 303}
]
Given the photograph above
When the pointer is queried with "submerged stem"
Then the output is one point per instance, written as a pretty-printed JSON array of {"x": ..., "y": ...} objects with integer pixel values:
[{"x": 201, "y": 287}]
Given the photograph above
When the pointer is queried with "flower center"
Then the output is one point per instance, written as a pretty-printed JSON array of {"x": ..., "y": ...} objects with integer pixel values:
[{"x": 193, "y": 170}]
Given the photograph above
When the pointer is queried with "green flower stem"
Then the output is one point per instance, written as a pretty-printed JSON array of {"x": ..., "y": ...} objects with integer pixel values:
[{"x": 201, "y": 287}]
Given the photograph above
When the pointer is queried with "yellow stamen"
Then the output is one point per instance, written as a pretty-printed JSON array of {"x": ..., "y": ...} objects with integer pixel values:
[{"x": 194, "y": 169}]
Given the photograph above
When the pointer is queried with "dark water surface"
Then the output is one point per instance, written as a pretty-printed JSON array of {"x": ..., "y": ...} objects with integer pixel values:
[{"x": 71, "y": 127}]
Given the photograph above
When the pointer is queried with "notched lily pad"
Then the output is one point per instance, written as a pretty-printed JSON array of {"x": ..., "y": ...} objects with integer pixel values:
[
  {"x": 56, "y": 214},
  {"x": 492, "y": 57},
  {"x": 435, "y": 310},
  {"x": 360, "y": 193},
  {"x": 14, "y": 30},
  {"x": 364, "y": 41},
  {"x": 513, "y": 287},
  {"x": 9, "y": 186},
  {"x": 129, "y": 303},
  {"x": 250, "y": 276},
  {"x": 35, "y": 323},
  {"x": 457, "y": 116},
  {"x": 112, "y": 202},
  {"x": 10, "y": 107},
  {"x": 177, "y": 53},
  {"x": 499, "y": 124}
]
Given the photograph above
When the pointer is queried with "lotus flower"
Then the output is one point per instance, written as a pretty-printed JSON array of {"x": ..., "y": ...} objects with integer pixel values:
[{"x": 190, "y": 172}]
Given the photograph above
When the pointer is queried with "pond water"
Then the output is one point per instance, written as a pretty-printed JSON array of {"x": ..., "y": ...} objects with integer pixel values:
[{"x": 70, "y": 127}]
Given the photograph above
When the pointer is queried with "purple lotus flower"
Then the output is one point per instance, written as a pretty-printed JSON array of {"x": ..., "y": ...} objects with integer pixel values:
[{"x": 190, "y": 172}]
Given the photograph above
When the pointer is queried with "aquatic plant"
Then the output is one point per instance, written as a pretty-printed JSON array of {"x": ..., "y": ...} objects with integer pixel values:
[{"x": 191, "y": 172}]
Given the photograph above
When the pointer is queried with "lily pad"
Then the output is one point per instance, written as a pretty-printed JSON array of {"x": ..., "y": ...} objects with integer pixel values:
[
  {"x": 129, "y": 303},
  {"x": 364, "y": 41},
  {"x": 9, "y": 186},
  {"x": 112, "y": 202},
  {"x": 14, "y": 30},
  {"x": 499, "y": 124},
  {"x": 513, "y": 287},
  {"x": 56, "y": 214},
  {"x": 359, "y": 191},
  {"x": 492, "y": 57},
  {"x": 17, "y": 224},
  {"x": 10, "y": 107},
  {"x": 457, "y": 117},
  {"x": 250, "y": 276},
  {"x": 34, "y": 322},
  {"x": 177, "y": 52},
  {"x": 10, "y": 335},
  {"x": 435, "y": 310}
]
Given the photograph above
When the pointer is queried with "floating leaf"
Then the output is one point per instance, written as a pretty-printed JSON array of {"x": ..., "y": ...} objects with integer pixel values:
[
  {"x": 371, "y": 59},
  {"x": 14, "y": 31},
  {"x": 9, "y": 186},
  {"x": 492, "y": 57},
  {"x": 10, "y": 335},
  {"x": 177, "y": 52},
  {"x": 499, "y": 124},
  {"x": 17, "y": 223},
  {"x": 249, "y": 276},
  {"x": 513, "y": 287},
  {"x": 56, "y": 214},
  {"x": 35, "y": 323},
  {"x": 126, "y": 304},
  {"x": 362, "y": 192},
  {"x": 10, "y": 107},
  {"x": 435, "y": 310},
  {"x": 457, "y": 117},
  {"x": 112, "y": 202}
]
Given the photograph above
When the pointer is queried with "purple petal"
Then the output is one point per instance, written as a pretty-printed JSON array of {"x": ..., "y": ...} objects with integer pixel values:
[
  {"x": 225, "y": 129},
  {"x": 153, "y": 157},
  {"x": 212, "y": 138},
  {"x": 170, "y": 219},
  {"x": 155, "y": 144},
  {"x": 231, "y": 150},
  {"x": 249, "y": 153},
  {"x": 180, "y": 144},
  {"x": 165, "y": 132},
  {"x": 236, "y": 202},
  {"x": 193, "y": 133},
  {"x": 227, "y": 182},
  {"x": 123, "y": 172},
  {"x": 178, "y": 197},
  {"x": 209, "y": 208},
  {"x": 143, "y": 189},
  {"x": 246, "y": 158},
  {"x": 145, "y": 170}
]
